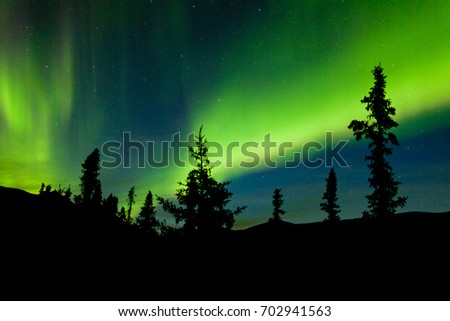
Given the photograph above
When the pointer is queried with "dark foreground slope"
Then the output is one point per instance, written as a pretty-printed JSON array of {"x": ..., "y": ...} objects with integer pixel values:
[{"x": 52, "y": 251}]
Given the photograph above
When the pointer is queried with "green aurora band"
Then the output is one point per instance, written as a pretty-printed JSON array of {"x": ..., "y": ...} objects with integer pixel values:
[
  {"x": 302, "y": 76},
  {"x": 36, "y": 94}
]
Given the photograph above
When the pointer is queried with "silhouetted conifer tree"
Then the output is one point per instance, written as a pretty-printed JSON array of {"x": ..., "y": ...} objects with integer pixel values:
[
  {"x": 90, "y": 185},
  {"x": 330, "y": 205},
  {"x": 110, "y": 204},
  {"x": 45, "y": 189},
  {"x": 146, "y": 220},
  {"x": 202, "y": 198},
  {"x": 130, "y": 202},
  {"x": 66, "y": 192},
  {"x": 165, "y": 230},
  {"x": 122, "y": 214},
  {"x": 55, "y": 197},
  {"x": 277, "y": 202},
  {"x": 383, "y": 201}
]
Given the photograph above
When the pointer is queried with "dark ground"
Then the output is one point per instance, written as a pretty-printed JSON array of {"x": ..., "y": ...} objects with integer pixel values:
[{"x": 52, "y": 252}]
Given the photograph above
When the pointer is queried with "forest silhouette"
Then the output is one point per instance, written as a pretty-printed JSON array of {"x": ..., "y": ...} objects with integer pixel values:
[{"x": 63, "y": 246}]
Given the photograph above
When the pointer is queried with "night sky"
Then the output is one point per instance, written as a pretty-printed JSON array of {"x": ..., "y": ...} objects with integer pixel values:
[{"x": 77, "y": 74}]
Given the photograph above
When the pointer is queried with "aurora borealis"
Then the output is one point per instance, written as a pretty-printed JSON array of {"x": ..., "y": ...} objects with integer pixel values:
[{"x": 76, "y": 74}]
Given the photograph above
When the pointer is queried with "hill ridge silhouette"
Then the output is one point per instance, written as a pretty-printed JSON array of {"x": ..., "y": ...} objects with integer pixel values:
[
  {"x": 60, "y": 253},
  {"x": 21, "y": 198}
]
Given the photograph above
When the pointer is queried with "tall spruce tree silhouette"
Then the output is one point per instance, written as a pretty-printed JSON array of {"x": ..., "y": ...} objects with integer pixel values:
[
  {"x": 122, "y": 214},
  {"x": 330, "y": 205},
  {"x": 90, "y": 185},
  {"x": 277, "y": 202},
  {"x": 110, "y": 205},
  {"x": 203, "y": 200},
  {"x": 383, "y": 201},
  {"x": 146, "y": 220},
  {"x": 131, "y": 199}
]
